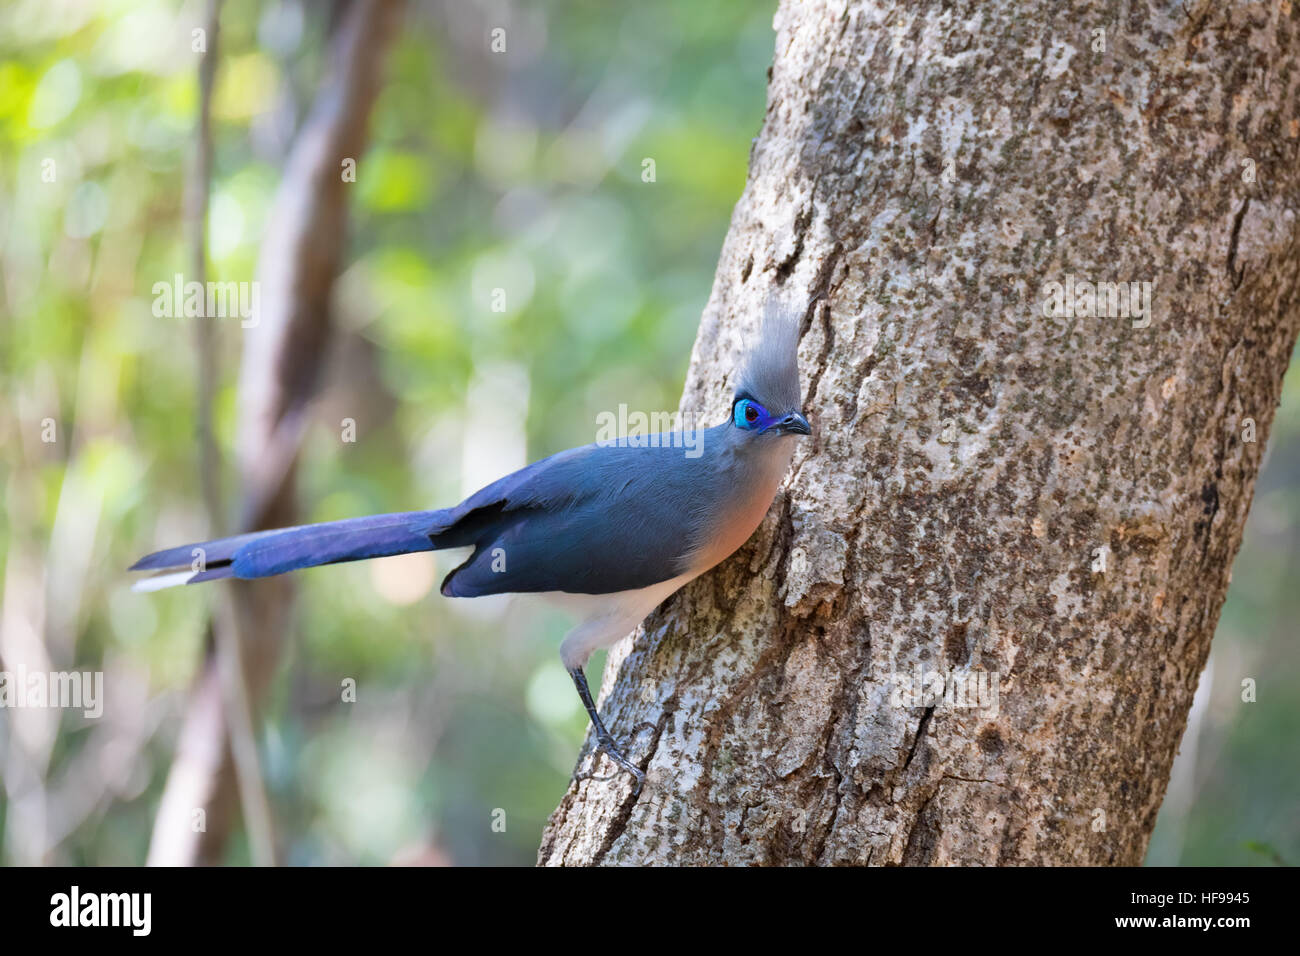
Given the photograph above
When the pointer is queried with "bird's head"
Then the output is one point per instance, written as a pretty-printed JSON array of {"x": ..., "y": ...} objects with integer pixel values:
[{"x": 766, "y": 401}]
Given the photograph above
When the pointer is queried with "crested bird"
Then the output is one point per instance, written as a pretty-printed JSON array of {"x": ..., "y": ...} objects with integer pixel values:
[{"x": 609, "y": 529}]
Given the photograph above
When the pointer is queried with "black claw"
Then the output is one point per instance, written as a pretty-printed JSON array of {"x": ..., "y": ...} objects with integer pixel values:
[{"x": 607, "y": 744}]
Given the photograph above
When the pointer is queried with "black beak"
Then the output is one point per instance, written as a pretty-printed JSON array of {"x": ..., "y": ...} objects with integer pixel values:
[{"x": 795, "y": 424}]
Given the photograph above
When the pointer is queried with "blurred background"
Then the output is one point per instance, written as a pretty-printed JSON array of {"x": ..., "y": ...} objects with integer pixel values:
[{"x": 521, "y": 168}]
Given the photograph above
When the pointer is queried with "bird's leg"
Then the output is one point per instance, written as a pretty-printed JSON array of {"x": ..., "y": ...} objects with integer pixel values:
[{"x": 603, "y": 739}]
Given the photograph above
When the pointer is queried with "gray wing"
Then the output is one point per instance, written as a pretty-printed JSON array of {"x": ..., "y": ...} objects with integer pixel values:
[{"x": 592, "y": 520}]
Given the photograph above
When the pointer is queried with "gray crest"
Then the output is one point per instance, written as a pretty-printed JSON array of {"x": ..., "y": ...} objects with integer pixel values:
[{"x": 770, "y": 374}]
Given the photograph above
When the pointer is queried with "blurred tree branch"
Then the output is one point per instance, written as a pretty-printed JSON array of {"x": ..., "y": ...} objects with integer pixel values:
[
  {"x": 196, "y": 216},
  {"x": 224, "y": 630},
  {"x": 284, "y": 352}
]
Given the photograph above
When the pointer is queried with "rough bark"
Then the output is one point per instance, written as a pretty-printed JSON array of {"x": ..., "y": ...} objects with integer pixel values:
[
  {"x": 284, "y": 353},
  {"x": 1054, "y": 502}
]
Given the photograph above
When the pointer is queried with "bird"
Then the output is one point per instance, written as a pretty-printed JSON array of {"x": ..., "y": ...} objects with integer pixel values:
[{"x": 610, "y": 530}]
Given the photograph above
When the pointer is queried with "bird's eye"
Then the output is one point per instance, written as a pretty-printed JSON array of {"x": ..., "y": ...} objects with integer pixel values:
[{"x": 748, "y": 414}]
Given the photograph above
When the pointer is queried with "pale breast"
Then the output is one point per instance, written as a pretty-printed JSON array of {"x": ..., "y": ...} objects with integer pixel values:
[{"x": 745, "y": 508}]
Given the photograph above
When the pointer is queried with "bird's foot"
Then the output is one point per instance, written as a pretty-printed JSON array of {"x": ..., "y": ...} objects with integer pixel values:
[
  {"x": 604, "y": 741},
  {"x": 605, "y": 744}
]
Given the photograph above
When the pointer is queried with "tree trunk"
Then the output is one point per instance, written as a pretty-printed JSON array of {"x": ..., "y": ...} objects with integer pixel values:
[{"x": 1040, "y": 507}]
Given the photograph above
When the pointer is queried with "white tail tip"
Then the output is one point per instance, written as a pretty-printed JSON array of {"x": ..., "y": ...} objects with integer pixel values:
[{"x": 168, "y": 579}]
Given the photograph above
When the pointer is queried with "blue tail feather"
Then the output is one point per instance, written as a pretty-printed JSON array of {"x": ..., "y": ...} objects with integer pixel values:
[
  {"x": 218, "y": 551},
  {"x": 265, "y": 553},
  {"x": 354, "y": 539}
]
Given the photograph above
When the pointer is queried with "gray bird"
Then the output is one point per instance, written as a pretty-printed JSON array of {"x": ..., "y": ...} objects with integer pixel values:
[{"x": 610, "y": 530}]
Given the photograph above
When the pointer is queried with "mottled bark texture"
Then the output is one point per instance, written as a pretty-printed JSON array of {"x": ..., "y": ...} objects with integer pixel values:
[{"x": 1051, "y": 501}]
